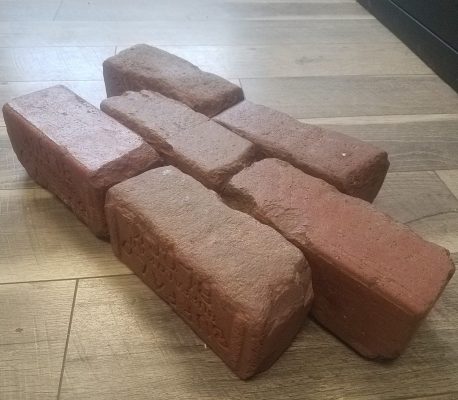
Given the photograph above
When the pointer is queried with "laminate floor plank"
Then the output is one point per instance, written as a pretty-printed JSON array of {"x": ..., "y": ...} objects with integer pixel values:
[
  {"x": 184, "y": 32},
  {"x": 345, "y": 96},
  {"x": 412, "y": 146},
  {"x": 302, "y": 60},
  {"x": 441, "y": 229},
  {"x": 450, "y": 178},
  {"x": 40, "y": 239},
  {"x": 145, "y": 10},
  {"x": 34, "y": 320},
  {"x": 53, "y": 63},
  {"x": 411, "y": 196},
  {"x": 28, "y": 10}
]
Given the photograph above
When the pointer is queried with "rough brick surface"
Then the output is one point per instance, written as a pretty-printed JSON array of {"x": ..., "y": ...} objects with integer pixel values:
[
  {"x": 146, "y": 67},
  {"x": 73, "y": 149},
  {"x": 354, "y": 167},
  {"x": 242, "y": 287},
  {"x": 374, "y": 279},
  {"x": 186, "y": 139}
]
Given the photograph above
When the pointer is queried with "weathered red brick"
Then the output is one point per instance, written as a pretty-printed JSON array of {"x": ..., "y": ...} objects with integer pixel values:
[
  {"x": 352, "y": 166},
  {"x": 374, "y": 279},
  {"x": 74, "y": 150},
  {"x": 186, "y": 139},
  {"x": 146, "y": 67},
  {"x": 242, "y": 287}
]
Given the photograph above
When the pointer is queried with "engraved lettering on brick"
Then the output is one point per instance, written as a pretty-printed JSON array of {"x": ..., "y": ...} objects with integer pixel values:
[{"x": 175, "y": 282}]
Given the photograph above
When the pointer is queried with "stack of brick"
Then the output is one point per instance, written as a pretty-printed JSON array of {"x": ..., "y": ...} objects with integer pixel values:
[
  {"x": 233, "y": 265},
  {"x": 354, "y": 167},
  {"x": 186, "y": 139}
]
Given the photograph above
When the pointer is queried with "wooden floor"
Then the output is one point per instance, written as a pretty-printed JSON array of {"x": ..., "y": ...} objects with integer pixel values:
[{"x": 76, "y": 324}]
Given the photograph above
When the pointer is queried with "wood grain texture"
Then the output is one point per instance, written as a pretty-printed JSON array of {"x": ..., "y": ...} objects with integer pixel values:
[
  {"x": 126, "y": 343},
  {"x": 28, "y": 10},
  {"x": 450, "y": 178},
  {"x": 441, "y": 229},
  {"x": 34, "y": 320},
  {"x": 423, "y": 202},
  {"x": 41, "y": 239},
  {"x": 302, "y": 60},
  {"x": 411, "y": 145},
  {"x": 183, "y": 32},
  {"x": 381, "y": 119},
  {"x": 145, "y": 10},
  {"x": 53, "y": 63},
  {"x": 411, "y": 196},
  {"x": 343, "y": 96}
]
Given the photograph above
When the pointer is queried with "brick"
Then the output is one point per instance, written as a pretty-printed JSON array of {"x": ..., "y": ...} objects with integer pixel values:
[
  {"x": 352, "y": 166},
  {"x": 374, "y": 279},
  {"x": 146, "y": 67},
  {"x": 242, "y": 287},
  {"x": 74, "y": 150},
  {"x": 186, "y": 139}
]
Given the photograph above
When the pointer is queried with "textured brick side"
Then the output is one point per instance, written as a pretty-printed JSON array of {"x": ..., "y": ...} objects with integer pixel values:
[
  {"x": 242, "y": 287},
  {"x": 74, "y": 150},
  {"x": 186, "y": 139},
  {"x": 352, "y": 166},
  {"x": 374, "y": 279},
  {"x": 145, "y": 67}
]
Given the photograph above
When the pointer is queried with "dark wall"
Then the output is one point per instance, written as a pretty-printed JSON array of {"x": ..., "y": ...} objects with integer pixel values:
[
  {"x": 439, "y": 16},
  {"x": 428, "y": 27}
]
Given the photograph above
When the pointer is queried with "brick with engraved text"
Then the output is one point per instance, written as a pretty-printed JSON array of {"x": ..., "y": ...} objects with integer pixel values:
[
  {"x": 74, "y": 150},
  {"x": 242, "y": 287}
]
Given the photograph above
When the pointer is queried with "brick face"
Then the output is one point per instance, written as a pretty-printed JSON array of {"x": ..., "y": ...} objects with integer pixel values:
[
  {"x": 374, "y": 279},
  {"x": 74, "y": 150},
  {"x": 352, "y": 166},
  {"x": 186, "y": 139},
  {"x": 145, "y": 67},
  {"x": 242, "y": 287}
]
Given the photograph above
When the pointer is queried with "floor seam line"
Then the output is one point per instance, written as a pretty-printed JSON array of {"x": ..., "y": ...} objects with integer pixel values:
[
  {"x": 67, "y": 340},
  {"x": 57, "y": 11},
  {"x": 67, "y": 279},
  {"x": 445, "y": 183}
]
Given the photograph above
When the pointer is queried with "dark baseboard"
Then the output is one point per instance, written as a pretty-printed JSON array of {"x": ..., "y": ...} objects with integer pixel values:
[{"x": 437, "y": 54}]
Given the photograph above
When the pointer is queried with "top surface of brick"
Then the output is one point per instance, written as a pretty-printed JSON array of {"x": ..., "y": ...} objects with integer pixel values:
[
  {"x": 354, "y": 167},
  {"x": 93, "y": 138},
  {"x": 348, "y": 232},
  {"x": 146, "y": 67},
  {"x": 161, "y": 115},
  {"x": 231, "y": 248}
]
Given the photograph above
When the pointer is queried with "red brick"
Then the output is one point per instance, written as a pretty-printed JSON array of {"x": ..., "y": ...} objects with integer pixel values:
[
  {"x": 242, "y": 287},
  {"x": 74, "y": 150},
  {"x": 146, "y": 67},
  {"x": 374, "y": 279},
  {"x": 352, "y": 166},
  {"x": 186, "y": 139}
]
